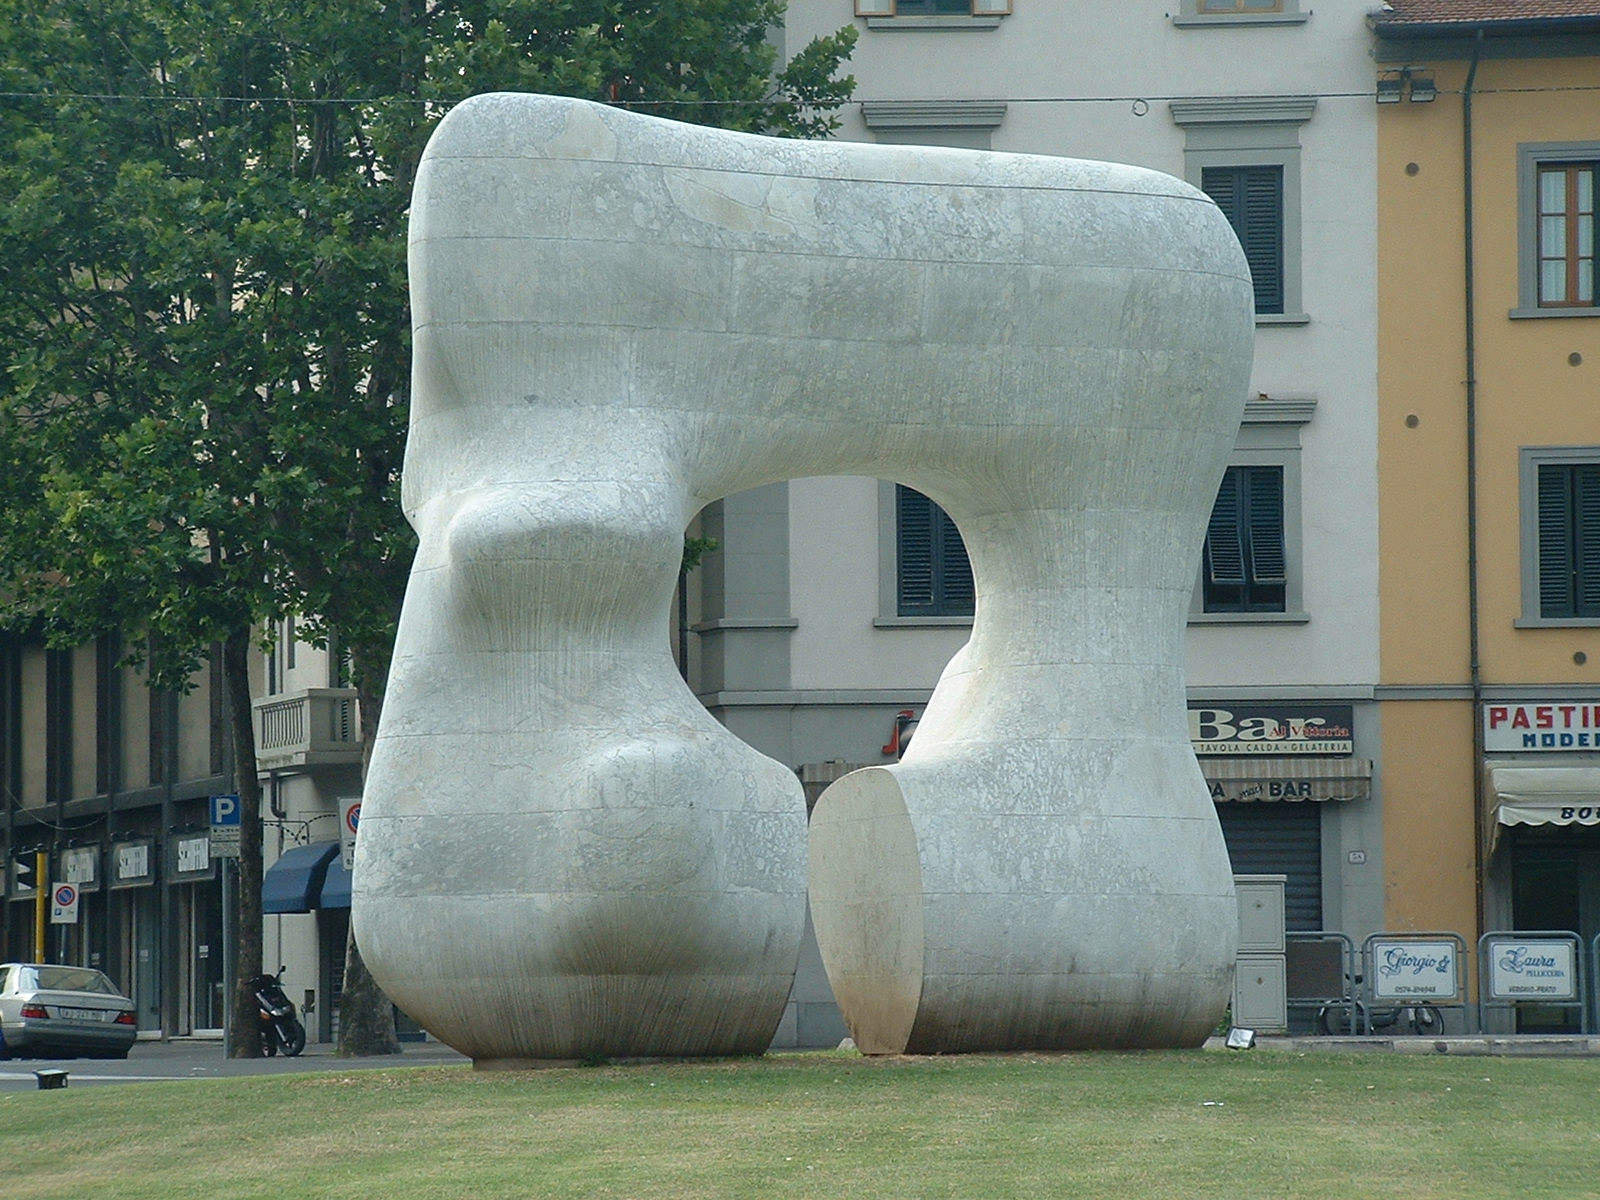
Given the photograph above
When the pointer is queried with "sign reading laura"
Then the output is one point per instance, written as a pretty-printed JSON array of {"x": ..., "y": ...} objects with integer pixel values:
[
  {"x": 1532, "y": 970},
  {"x": 1272, "y": 729},
  {"x": 1563, "y": 726},
  {"x": 1404, "y": 970}
]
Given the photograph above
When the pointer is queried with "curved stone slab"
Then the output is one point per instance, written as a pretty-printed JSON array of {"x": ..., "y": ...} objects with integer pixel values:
[{"x": 619, "y": 319}]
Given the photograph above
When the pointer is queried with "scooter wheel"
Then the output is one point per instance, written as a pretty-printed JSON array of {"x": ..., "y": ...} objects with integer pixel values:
[
  {"x": 269, "y": 1044},
  {"x": 296, "y": 1040}
]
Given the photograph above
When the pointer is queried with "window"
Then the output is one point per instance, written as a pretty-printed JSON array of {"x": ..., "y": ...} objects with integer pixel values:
[
  {"x": 1560, "y": 493},
  {"x": 1556, "y": 187},
  {"x": 1239, "y": 12},
  {"x": 1244, "y": 152},
  {"x": 1566, "y": 235},
  {"x": 1569, "y": 539},
  {"x": 933, "y": 576},
  {"x": 964, "y": 123},
  {"x": 1250, "y": 562},
  {"x": 1252, "y": 200},
  {"x": 954, "y": 14},
  {"x": 1245, "y": 569}
]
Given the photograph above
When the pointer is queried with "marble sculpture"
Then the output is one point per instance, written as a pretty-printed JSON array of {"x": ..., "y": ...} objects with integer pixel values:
[{"x": 619, "y": 319}]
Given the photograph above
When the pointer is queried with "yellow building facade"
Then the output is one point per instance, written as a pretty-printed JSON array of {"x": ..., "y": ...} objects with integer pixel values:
[{"x": 1489, "y": 469}]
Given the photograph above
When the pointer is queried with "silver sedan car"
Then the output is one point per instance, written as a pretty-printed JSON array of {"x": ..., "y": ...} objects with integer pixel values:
[{"x": 72, "y": 1012}]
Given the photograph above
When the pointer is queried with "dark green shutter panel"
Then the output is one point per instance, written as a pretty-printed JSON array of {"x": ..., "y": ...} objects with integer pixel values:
[
  {"x": 1252, "y": 200},
  {"x": 935, "y": 577},
  {"x": 1586, "y": 505},
  {"x": 916, "y": 532},
  {"x": 1555, "y": 543},
  {"x": 1267, "y": 564},
  {"x": 1263, "y": 235},
  {"x": 1224, "y": 550},
  {"x": 955, "y": 572}
]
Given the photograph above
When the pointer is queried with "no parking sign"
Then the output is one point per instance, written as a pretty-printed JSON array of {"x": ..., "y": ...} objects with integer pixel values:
[
  {"x": 349, "y": 818},
  {"x": 64, "y": 904}
]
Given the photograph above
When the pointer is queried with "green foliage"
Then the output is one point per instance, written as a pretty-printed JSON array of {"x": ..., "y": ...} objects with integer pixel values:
[{"x": 204, "y": 331}]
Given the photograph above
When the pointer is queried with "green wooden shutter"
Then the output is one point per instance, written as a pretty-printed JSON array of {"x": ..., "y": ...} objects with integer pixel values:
[
  {"x": 1224, "y": 549},
  {"x": 935, "y": 576},
  {"x": 1267, "y": 559},
  {"x": 1586, "y": 538},
  {"x": 1555, "y": 542},
  {"x": 957, "y": 594},
  {"x": 916, "y": 533},
  {"x": 1252, "y": 200}
]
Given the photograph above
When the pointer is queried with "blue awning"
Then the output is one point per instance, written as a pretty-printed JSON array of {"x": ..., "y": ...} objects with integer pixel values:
[
  {"x": 336, "y": 885},
  {"x": 294, "y": 882}
]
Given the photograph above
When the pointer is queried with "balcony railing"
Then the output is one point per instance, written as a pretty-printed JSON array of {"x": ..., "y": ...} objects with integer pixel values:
[{"x": 314, "y": 727}]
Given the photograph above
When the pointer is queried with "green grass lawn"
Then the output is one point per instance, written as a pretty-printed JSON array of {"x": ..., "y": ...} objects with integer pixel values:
[{"x": 1191, "y": 1125}]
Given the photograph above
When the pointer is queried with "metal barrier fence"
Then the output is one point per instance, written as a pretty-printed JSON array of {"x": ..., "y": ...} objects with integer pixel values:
[
  {"x": 1414, "y": 970},
  {"x": 1533, "y": 967},
  {"x": 1319, "y": 973}
]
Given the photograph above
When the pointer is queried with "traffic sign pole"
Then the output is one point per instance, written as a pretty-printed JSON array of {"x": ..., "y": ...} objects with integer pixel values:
[{"x": 41, "y": 898}]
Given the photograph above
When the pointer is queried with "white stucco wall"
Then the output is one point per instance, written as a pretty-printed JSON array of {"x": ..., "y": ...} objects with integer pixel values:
[{"x": 1070, "y": 77}]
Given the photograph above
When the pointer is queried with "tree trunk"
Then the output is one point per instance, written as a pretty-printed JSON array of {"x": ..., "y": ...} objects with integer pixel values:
[
  {"x": 246, "y": 1023},
  {"x": 366, "y": 1017}
]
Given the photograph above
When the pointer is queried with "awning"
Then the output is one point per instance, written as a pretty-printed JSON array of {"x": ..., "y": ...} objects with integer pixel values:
[
  {"x": 293, "y": 884},
  {"x": 1247, "y": 779},
  {"x": 1540, "y": 795},
  {"x": 336, "y": 887}
]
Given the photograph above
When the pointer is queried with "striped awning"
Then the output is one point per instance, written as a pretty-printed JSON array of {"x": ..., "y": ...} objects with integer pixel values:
[
  {"x": 1247, "y": 780},
  {"x": 1520, "y": 794}
]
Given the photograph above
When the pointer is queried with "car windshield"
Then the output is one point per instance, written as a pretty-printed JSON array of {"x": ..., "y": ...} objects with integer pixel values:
[{"x": 64, "y": 979}]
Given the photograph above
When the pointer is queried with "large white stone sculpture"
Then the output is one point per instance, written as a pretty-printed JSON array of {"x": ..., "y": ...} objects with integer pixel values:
[{"x": 619, "y": 319}]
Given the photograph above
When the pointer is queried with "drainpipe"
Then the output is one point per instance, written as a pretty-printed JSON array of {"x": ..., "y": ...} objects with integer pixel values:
[{"x": 1480, "y": 862}]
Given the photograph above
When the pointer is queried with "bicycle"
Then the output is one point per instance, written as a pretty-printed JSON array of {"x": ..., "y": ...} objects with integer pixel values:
[{"x": 1418, "y": 1019}]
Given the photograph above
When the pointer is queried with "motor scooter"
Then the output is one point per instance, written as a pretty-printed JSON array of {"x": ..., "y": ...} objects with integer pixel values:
[{"x": 280, "y": 1027}]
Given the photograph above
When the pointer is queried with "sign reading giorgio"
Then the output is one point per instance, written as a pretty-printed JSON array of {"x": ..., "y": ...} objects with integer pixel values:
[
  {"x": 1567, "y": 725},
  {"x": 1413, "y": 969},
  {"x": 1272, "y": 729},
  {"x": 1534, "y": 969}
]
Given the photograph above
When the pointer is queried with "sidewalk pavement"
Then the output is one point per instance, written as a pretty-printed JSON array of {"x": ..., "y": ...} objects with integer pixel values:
[
  {"x": 201, "y": 1058},
  {"x": 1476, "y": 1045}
]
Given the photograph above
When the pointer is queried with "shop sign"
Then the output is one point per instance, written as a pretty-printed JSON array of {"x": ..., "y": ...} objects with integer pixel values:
[
  {"x": 133, "y": 864},
  {"x": 1553, "y": 726},
  {"x": 1532, "y": 970},
  {"x": 80, "y": 866},
  {"x": 1414, "y": 970},
  {"x": 1273, "y": 729},
  {"x": 191, "y": 857}
]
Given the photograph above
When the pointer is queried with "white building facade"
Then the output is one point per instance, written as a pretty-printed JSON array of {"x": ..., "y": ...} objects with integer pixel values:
[{"x": 818, "y": 628}]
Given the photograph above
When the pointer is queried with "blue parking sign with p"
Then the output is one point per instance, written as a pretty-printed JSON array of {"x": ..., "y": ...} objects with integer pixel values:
[{"x": 225, "y": 810}]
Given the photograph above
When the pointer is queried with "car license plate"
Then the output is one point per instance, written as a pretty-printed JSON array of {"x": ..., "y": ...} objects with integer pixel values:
[{"x": 82, "y": 1014}]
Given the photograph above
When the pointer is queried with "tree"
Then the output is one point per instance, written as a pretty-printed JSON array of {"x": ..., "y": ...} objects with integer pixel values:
[{"x": 203, "y": 314}]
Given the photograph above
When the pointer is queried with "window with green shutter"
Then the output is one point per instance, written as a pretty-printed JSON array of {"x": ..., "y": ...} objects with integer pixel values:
[
  {"x": 1569, "y": 539},
  {"x": 934, "y": 578},
  {"x": 1252, "y": 200},
  {"x": 1245, "y": 566}
]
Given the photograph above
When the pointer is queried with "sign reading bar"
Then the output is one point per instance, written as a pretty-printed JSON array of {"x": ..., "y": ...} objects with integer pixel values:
[
  {"x": 1532, "y": 970},
  {"x": 1273, "y": 729},
  {"x": 1414, "y": 970},
  {"x": 1564, "y": 726}
]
